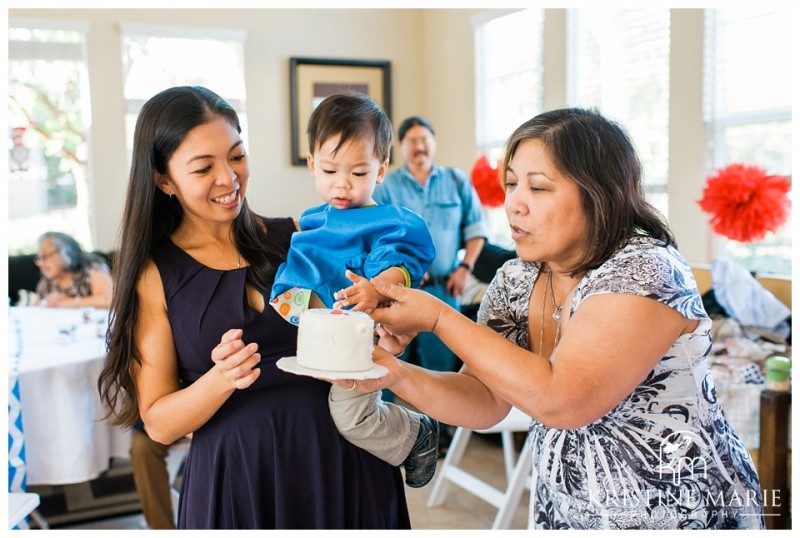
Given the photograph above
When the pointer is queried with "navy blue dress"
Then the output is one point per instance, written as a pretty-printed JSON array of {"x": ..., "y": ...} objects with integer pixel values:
[{"x": 271, "y": 457}]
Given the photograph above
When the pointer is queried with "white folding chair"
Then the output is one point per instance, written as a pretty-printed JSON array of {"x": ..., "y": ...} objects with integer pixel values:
[
  {"x": 517, "y": 469},
  {"x": 175, "y": 458}
]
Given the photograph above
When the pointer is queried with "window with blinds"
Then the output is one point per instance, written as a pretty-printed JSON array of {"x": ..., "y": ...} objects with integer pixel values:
[
  {"x": 618, "y": 62},
  {"x": 748, "y": 112},
  {"x": 509, "y": 57},
  {"x": 48, "y": 122}
]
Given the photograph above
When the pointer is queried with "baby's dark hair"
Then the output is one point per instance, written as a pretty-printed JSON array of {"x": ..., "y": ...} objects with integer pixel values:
[{"x": 351, "y": 115}]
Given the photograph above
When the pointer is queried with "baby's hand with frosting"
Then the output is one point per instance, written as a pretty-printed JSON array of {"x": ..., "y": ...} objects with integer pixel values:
[{"x": 362, "y": 295}]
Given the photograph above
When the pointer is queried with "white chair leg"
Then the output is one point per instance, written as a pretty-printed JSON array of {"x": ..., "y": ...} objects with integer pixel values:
[
  {"x": 454, "y": 454},
  {"x": 39, "y": 519},
  {"x": 509, "y": 456},
  {"x": 531, "y": 486},
  {"x": 516, "y": 485},
  {"x": 174, "y": 496},
  {"x": 517, "y": 470}
]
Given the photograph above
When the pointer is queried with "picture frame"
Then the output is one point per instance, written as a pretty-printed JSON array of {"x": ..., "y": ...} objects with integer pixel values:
[{"x": 313, "y": 79}]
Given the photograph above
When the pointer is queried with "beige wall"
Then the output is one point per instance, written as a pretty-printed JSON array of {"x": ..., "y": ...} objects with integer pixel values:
[
  {"x": 432, "y": 55},
  {"x": 277, "y": 187},
  {"x": 687, "y": 136},
  {"x": 447, "y": 61}
]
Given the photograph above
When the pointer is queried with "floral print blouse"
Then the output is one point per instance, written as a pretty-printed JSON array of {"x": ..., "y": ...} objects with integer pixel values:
[{"x": 664, "y": 457}]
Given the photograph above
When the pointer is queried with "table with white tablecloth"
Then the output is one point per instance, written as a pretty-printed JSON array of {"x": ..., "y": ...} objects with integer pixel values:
[{"x": 62, "y": 353}]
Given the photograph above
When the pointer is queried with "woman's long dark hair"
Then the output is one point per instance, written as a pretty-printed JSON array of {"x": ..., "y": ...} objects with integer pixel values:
[
  {"x": 597, "y": 154},
  {"x": 150, "y": 217}
]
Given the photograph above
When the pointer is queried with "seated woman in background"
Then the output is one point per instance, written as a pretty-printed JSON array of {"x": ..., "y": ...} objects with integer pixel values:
[{"x": 71, "y": 278}]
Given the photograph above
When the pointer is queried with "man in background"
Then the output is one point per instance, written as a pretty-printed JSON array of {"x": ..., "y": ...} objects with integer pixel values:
[{"x": 445, "y": 198}]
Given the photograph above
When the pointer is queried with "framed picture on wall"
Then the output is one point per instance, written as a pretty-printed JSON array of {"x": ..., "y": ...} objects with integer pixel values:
[{"x": 313, "y": 79}]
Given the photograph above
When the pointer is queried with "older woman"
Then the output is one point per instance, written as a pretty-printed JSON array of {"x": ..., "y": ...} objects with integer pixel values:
[
  {"x": 71, "y": 278},
  {"x": 598, "y": 332}
]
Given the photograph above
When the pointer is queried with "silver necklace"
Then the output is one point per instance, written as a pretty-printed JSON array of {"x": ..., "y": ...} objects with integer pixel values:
[
  {"x": 238, "y": 256},
  {"x": 557, "y": 309},
  {"x": 548, "y": 288},
  {"x": 541, "y": 322}
]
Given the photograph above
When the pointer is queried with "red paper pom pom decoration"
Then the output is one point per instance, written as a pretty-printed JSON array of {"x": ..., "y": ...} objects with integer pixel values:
[
  {"x": 486, "y": 180},
  {"x": 745, "y": 203}
]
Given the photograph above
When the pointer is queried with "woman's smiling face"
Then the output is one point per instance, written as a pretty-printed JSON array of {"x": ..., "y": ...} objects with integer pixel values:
[{"x": 209, "y": 172}]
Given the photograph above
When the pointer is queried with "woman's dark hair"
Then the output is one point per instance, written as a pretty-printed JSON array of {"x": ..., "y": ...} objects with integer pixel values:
[
  {"x": 69, "y": 251},
  {"x": 150, "y": 217},
  {"x": 351, "y": 115},
  {"x": 597, "y": 154}
]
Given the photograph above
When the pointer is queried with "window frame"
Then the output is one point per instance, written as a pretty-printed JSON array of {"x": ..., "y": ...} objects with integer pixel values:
[
  {"x": 717, "y": 121},
  {"x": 66, "y": 52}
]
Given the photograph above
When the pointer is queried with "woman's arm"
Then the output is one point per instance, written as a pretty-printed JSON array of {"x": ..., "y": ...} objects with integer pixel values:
[
  {"x": 609, "y": 346},
  {"x": 168, "y": 411},
  {"x": 606, "y": 350},
  {"x": 454, "y": 398}
]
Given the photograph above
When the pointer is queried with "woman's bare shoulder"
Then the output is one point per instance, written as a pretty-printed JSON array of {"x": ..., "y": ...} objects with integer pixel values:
[{"x": 149, "y": 286}]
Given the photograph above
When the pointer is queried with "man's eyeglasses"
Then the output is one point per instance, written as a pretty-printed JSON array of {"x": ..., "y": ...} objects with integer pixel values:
[{"x": 42, "y": 257}]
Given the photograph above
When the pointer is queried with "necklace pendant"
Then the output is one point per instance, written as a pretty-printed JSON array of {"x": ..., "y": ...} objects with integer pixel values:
[{"x": 557, "y": 314}]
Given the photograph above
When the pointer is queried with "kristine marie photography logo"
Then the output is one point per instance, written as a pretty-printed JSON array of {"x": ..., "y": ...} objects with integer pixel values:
[
  {"x": 684, "y": 463},
  {"x": 682, "y": 455}
]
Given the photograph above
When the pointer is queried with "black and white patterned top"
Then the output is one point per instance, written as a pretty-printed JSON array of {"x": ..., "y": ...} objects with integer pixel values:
[
  {"x": 665, "y": 457},
  {"x": 81, "y": 282}
]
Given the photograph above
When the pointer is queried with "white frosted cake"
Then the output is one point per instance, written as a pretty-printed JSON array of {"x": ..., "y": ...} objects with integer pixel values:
[{"x": 335, "y": 340}]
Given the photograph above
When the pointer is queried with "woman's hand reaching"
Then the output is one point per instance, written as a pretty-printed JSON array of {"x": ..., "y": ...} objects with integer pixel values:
[
  {"x": 384, "y": 358},
  {"x": 393, "y": 343},
  {"x": 409, "y": 311},
  {"x": 236, "y": 361}
]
